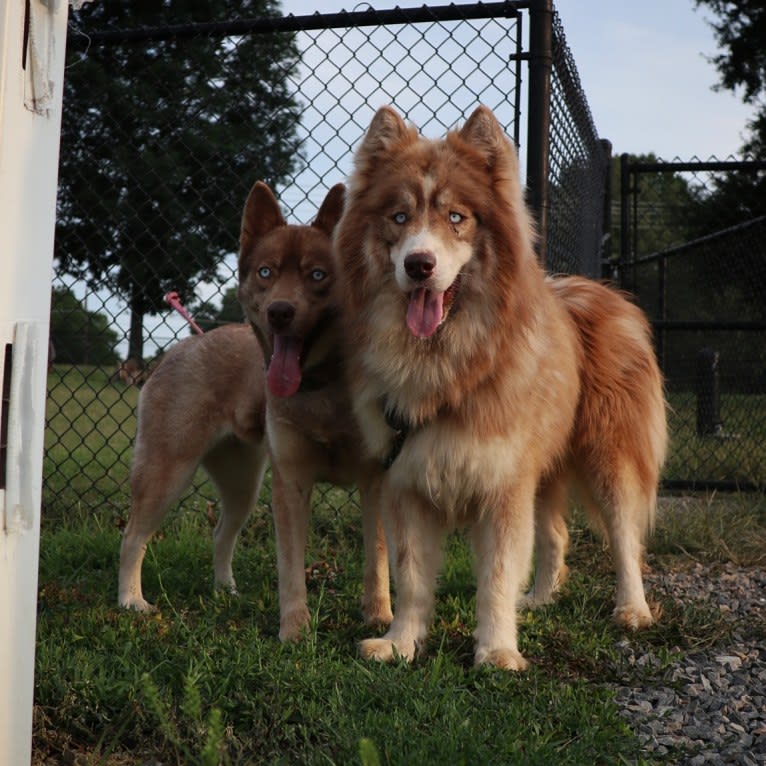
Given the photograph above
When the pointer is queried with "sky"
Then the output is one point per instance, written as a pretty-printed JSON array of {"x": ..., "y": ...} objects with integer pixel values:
[{"x": 644, "y": 68}]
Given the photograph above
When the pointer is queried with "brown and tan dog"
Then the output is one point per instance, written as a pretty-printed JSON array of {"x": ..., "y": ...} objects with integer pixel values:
[
  {"x": 487, "y": 388},
  {"x": 289, "y": 295},
  {"x": 215, "y": 401}
]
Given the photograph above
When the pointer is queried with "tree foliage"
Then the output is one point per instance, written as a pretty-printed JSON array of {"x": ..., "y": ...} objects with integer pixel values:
[
  {"x": 664, "y": 209},
  {"x": 161, "y": 139},
  {"x": 208, "y": 315},
  {"x": 740, "y": 31},
  {"x": 80, "y": 336}
]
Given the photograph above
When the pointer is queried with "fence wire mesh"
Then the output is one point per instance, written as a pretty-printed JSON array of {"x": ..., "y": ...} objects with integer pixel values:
[
  {"x": 165, "y": 130},
  {"x": 693, "y": 250},
  {"x": 578, "y": 165}
]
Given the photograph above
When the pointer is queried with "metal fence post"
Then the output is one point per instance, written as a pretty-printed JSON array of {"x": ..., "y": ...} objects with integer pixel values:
[
  {"x": 606, "y": 266},
  {"x": 625, "y": 282},
  {"x": 538, "y": 138},
  {"x": 708, "y": 393},
  {"x": 662, "y": 313}
]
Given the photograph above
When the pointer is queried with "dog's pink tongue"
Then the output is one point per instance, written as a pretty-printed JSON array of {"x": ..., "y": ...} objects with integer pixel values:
[
  {"x": 424, "y": 312},
  {"x": 284, "y": 373}
]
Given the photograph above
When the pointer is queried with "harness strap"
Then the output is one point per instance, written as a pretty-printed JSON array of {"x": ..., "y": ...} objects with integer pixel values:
[{"x": 401, "y": 429}]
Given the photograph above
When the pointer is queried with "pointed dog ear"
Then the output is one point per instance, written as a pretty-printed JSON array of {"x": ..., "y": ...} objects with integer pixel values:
[
  {"x": 260, "y": 216},
  {"x": 485, "y": 134},
  {"x": 331, "y": 210},
  {"x": 386, "y": 131}
]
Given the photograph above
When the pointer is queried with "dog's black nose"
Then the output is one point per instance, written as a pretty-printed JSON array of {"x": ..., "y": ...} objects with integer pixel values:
[
  {"x": 280, "y": 314},
  {"x": 420, "y": 265}
]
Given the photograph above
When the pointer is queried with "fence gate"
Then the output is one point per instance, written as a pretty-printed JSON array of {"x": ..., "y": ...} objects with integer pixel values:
[{"x": 693, "y": 251}]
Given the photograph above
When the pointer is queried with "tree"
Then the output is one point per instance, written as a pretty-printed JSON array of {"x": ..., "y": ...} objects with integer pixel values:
[
  {"x": 78, "y": 335},
  {"x": 741, "y": 33},
  {"x": 665, "y": 209},
  {"x": 161, "y": 140},
  {"x": 740, "y": 197},
  {"x": 208, "y": 316}
]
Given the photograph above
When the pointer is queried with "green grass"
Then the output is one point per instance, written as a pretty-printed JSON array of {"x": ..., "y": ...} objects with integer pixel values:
[
  {"x": 205, "y": 680},
  {"x": 149, "y": 686},
  {"x": 738, "y": 455},
  {"x": 90, "y": 426}
]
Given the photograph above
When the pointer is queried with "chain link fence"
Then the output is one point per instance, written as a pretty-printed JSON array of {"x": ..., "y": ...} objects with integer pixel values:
[
  {"x": 166, "y": 128},
  {"x": 578, "y": 167},
  {"x": 693, "y": 250}
]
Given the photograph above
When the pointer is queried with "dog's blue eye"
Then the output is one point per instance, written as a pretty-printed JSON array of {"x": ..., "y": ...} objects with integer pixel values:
[
  {"x": 455, "y": 217},
  {"x": 318, "y": 275},
  {"x": 400, "y": 218},
  {"x": 264, "y": 272}
]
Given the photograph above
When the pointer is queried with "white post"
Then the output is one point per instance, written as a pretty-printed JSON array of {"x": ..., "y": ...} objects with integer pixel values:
[{"x": 31, "y": 82}]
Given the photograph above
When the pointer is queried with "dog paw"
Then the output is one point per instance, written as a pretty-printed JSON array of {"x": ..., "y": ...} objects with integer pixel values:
[
  {"x": 227, "y": 586},
  {"x": 505, "y": 659},
  {"x": 137, "y": 605},
  {"x": 636, "y": 616},
  {"x": 292, "y": 624},
  {"x": 377, "y": 612},
  {"x": 532, "y": 600},
  {"x": 545, "y": 589},
  {"x": 385, "y": 650}
]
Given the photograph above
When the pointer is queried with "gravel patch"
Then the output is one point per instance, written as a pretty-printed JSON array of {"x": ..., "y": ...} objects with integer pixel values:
[{"x": 708, "y": 706}]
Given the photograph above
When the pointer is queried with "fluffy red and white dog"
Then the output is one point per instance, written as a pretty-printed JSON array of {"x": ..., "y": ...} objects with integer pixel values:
[{"x": 486, "y": 388}]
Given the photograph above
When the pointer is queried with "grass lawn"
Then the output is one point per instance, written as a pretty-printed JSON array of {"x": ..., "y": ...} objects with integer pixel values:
[
  {"x": 738, "y": 454},
  {"x": 204, "y": 680}
]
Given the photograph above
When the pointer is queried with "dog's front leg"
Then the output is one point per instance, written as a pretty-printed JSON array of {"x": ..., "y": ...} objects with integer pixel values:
[
  {"x": 502, "y": 539},
  {"x": 417, "y": 539},
  {"x": 291, "y": 507}
]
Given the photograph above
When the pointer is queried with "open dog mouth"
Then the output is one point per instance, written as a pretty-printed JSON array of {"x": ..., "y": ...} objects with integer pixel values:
[
  {"x": 427, "y": 309},
  {"x": 283, "y": 376}
]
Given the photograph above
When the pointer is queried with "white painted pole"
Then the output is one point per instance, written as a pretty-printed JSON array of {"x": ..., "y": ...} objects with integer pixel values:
[{"x": 29, "y": 148}]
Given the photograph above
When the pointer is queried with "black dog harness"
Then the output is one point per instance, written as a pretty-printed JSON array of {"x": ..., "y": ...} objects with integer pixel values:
[{"x": 401, "y": 428}]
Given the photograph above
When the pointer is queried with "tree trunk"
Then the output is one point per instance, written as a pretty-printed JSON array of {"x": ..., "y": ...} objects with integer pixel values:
[{"x": 136, "y": 336}]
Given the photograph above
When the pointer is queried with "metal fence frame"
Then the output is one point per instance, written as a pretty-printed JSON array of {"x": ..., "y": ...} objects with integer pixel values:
[
  {"x": 566, "y": 163},
  {"x": 703, "y": 377}
]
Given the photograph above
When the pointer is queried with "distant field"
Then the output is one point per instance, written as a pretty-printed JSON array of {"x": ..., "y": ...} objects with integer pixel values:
[{"x": 91, "y": 426}]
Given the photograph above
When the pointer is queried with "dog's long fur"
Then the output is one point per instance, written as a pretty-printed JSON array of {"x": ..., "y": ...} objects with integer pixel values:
[
  {"x": 504, "y": 387},
  {"x": 211, "y": 402},
  {"x": 289, "y": 295}
]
